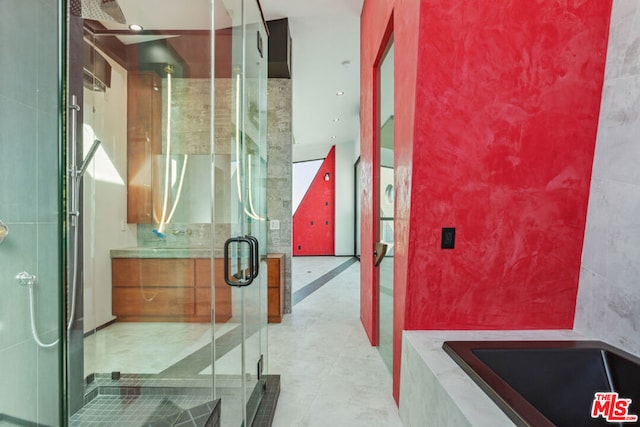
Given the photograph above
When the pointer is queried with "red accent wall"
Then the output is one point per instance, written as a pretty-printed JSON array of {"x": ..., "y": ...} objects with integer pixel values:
[
  {"x": 314, "y": 220},
  {"x": 500, "y": 102}
]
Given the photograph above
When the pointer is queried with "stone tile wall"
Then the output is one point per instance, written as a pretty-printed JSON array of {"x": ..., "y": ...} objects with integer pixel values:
[
  {"x": 608, "y": 305},
  {"x": 279, "y": 196}
]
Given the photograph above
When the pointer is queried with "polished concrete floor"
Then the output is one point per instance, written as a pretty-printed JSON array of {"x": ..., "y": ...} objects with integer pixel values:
[
  {"x": 306, "y": 269},
  {"x": 330, "y": 374}
]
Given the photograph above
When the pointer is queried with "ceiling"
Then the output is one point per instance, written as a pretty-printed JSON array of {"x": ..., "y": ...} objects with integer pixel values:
[
  {"x": 326, "y": 60},
  {"x": 325, "y": 56}
]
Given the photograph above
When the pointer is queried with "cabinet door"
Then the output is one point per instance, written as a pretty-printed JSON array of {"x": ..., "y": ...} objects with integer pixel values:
[
  {"x": 144, "y": 130},
  {"x": 161, "y": 288},
  {"x": 223, "y": 305}
]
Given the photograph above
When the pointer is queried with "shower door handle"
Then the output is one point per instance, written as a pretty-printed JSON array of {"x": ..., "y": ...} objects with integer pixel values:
[
  {"x": 256, "y": 256},
  {"x": 73, "y": 169},
  {"x": 240, "y": 278}
]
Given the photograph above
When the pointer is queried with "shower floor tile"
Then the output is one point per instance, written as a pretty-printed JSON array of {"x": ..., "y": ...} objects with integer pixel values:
[{"x": 140, "y": 410}]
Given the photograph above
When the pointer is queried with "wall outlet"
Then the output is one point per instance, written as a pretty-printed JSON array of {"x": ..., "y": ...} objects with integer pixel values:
[
  {"x": 274, "y": 224},
  {"x": 448, "y": 238}
]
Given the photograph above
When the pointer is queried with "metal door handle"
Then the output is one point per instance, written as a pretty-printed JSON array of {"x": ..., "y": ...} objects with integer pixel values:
[
  {"x": 256, "y": 256},
  {"x": 379, "y": 252},
  {"x": 240, "y": 279}
]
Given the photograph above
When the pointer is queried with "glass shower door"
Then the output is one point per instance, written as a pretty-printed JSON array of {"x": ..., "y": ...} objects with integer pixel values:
[
  {"x": 179, "y": 171},
  {"x": 141, "y": 328},
  {"x": 240, "y": 211}
]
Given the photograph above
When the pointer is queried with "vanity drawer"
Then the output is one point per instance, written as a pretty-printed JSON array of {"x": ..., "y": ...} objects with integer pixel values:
[
  {"x": 171, "y": 272},
  {"x": 152, "y": 301}
]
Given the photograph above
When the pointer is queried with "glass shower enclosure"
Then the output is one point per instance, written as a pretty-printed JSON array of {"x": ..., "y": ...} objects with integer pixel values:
[
  {"x": 31, "y": 212},
  {"x": 137, "y": 228}
]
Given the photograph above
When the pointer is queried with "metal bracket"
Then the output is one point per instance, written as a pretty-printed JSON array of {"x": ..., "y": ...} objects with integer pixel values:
[{"x": 25, "y": 279}]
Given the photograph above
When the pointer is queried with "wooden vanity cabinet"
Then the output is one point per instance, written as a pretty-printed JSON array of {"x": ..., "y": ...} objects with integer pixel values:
[
  {"x": 275, "y": 285},
  {"x": 203, "y": 290},
  {"x": 179, "y": 289},
  {"x": 167, "y": 290},
  {"x": 152, "y": 288}
]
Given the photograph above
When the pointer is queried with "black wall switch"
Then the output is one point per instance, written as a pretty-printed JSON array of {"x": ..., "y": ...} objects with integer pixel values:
[{"x": 448, "y": 238}]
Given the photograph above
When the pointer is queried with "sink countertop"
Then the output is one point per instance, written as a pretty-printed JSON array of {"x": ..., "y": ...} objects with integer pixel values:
[{"x": 162, "y": 252}]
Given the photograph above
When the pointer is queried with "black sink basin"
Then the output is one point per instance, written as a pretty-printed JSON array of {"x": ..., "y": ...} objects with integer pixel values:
[{"x": 545, "y": 383}]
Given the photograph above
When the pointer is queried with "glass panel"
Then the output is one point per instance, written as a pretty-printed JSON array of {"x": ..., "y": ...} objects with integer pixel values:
[
  {"x": 386, "y": 197},
  {"x": 30, "y": 213},
  {"x": 142, "y": 312},
  {"x": 240, "y": 160},
  {"x": 152, "y": 316},
  {"x": 358, "y": 191}
]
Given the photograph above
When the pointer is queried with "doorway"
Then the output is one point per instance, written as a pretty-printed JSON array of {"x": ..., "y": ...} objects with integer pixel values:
[{"x": 386, "y": 203}]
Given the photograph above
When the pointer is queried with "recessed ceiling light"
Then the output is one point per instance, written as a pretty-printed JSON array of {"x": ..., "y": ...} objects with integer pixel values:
[
  {"x": 333, "y": 137},
  {"x": 339, "y": 93},
  {"x": 135, "y": 27},
  {"x": 337, "y": 119}
]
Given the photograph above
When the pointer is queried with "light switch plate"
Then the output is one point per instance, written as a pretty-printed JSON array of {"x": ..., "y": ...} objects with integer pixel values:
[{"x": 274, "y": 224}]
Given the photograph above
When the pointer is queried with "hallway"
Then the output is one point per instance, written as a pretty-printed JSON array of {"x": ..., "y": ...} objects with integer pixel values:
[{"x": 330, "y": 374}]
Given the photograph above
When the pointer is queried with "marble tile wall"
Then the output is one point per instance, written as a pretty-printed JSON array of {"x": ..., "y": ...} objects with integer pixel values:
[
  {"x": 279, "y": 196},
  {"x": 190, "y": 114},
  {"x": 608, "y": 305},
  {"x": 29, "y": 206}
]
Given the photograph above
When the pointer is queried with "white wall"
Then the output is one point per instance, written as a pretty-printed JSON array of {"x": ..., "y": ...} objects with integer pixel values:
[
  {"x": 345, "y": 193},
  {"x": 105, "y": 195},
  {"x": 345, "y": 200},
  {"x": 608, "y": 305},
  {"x": 303, "y": 174}
]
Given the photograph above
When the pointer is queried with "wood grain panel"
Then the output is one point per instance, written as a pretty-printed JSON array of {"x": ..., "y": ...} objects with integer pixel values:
[
  {"x": 153, "y": 301},
  {"x": 275, "y": 283},
  {"x": 125, "y": 271},
  {"x": 274, "y": 308},
  {"x": 167, "y": 272},
  {"x": 223, "y": 303},
  {"x": 144, "y": 121},
  {"x": 203, "y": 272},
  {"x": 275, "y": 267},
  {"x": 152, "y": 272},
  {"x": 203, "y": 289}
]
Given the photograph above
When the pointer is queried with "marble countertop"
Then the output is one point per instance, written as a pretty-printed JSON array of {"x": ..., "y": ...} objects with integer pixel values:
[
  {"x": 467, "y": 395},
  {"x": 162, "y": 252}
]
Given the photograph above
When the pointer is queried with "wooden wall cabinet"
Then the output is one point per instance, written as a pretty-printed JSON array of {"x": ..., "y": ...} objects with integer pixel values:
[
  {"x": 168, "y": 290},
  {"x": 144, "y": 140}
]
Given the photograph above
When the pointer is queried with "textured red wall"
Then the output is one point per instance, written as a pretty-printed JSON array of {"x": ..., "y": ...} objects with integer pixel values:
[
  {"x": 379, "y": 19},
  {"x": 499, "y": 144},
  {"x": 374, "y": 26},
  {"x": 314, "y": 221}
]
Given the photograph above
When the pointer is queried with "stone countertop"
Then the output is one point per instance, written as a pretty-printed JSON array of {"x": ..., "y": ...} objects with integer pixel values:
[
  {"x": 472, "y": 403},
  {"x": 162, "y": 252}
]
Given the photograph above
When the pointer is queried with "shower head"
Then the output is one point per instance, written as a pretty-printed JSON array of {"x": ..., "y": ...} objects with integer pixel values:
[
  {"x": 99, "y": 10},
  {"x": 87, "y": 159}
]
